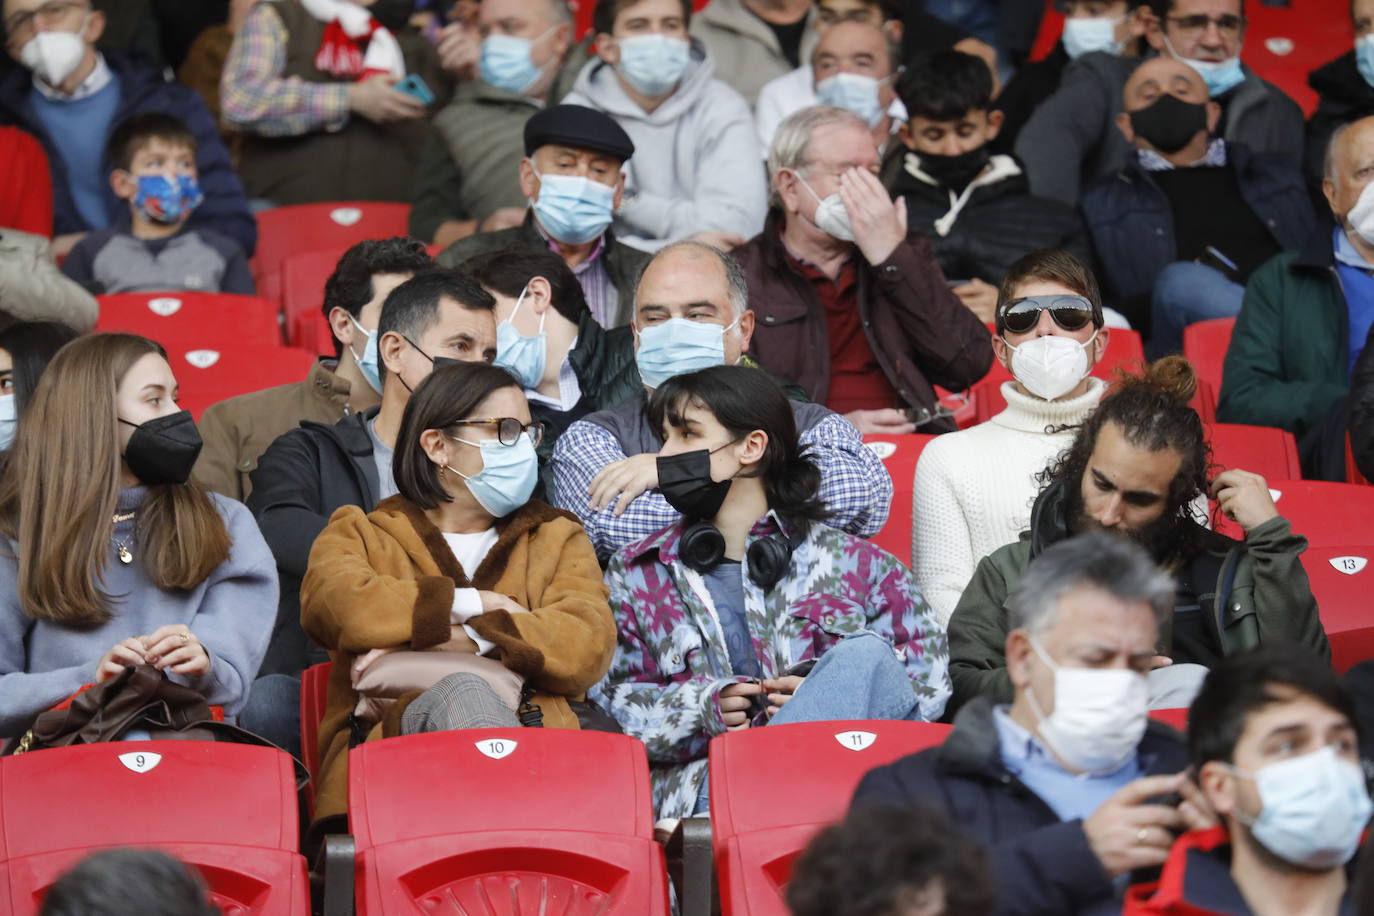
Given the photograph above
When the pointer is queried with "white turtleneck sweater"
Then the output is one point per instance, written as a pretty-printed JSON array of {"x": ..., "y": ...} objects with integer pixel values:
[{"x": 974, "y": 488}]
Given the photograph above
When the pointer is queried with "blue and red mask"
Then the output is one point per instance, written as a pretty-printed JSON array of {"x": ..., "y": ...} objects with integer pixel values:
[{"x": 167, "y": 198}]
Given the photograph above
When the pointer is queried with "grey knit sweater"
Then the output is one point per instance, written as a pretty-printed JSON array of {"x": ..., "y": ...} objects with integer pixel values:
[{"x": 231, "y": 613}]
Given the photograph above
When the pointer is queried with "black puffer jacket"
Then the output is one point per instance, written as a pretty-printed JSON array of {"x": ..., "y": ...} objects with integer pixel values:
[
  {"x": 1344, "y": 97},
  {"x": 300, "y": 480},
  {"x": 1001, "y": 221}
]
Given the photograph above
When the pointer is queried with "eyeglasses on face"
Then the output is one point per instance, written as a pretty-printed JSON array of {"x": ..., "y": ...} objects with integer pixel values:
[
  {"x": 508, "y": 429},
  {"x": 1072, "y": 313},
  {"x": 56, "y": 13},
  {"x": 1228, "y": 25}
]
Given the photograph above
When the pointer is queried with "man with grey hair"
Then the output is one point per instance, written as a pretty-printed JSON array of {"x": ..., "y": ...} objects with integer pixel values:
[
  {"x": 852, "y": 307},
  {"x": 692, "y": 312},
  {"x": 1306, "y": 315},
  {"x": 1071, "y": 787}
]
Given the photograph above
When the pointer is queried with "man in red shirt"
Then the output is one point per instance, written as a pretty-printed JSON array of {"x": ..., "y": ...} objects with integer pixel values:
[{"x": 849, "y": 305}]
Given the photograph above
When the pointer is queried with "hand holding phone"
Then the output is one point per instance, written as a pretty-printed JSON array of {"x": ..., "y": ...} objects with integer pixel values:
[{"x": 414, "y": 86}]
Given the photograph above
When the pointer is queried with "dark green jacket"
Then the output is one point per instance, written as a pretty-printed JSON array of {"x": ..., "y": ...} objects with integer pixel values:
[
  {"x": 623, "y": 263},
  {"x": 1252, "y": 592},
  {"x": 1288, "y": 358}
]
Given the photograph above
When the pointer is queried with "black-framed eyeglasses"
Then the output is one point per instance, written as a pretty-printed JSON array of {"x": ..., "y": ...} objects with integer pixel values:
[
  {"x": 1228, "y": 24},
  {"x": 508, "y": 429},
  {"x": 1072, "y": 313}
]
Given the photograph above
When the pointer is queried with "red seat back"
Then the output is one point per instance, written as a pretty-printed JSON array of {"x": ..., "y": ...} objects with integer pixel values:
[
  {"x": 314, "y": 701},
  {"x": 1327, "y": 514},
  {"x": 1342, "y": 580},
  {"x": 207, "y": 317},
  {"x": 1283, "y": 44},
  {"x": 899, "y": 455},
  {"x": 773, "y": 788},
  {"x": 303, "y": 277},
  {"x": 1124, "y": 350},
  {"x": 1272, "y": 453},
  {"x": 1178, "y": 718},
  {"x": 284, "y": 231},
  {"x": 453, "y": 818},
  {"x": 1204, "y": 344},
  {"x": 207, "y": 374},
  {"x": 228, "y": 809}
]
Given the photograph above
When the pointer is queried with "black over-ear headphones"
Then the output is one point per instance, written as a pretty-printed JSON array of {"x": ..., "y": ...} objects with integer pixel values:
[{"x": 702, "y": 547}]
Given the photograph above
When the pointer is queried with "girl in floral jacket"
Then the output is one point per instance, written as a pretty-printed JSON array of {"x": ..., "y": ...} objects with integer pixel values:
[{"x": 750, "y": 610}]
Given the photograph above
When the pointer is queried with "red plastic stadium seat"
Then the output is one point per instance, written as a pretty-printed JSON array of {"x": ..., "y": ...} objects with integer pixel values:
[
  {"x": 1124, "y": 350},
  {"x": 225, "y": 368},
  {"x": 899, "y": 454},
  {"x": 227, "y": 809},
  {"x": 303, "y": 276},
  {"x": 1178, "y": 718},
  {"x": 1204, "y": 344},
  {"x": 1342, "y": 581},
  {"x": 210, "y": 317},
  {"x": 773, "y": 788},
  {"x": 314, "y": 699},
  {"x": 1327, "y": 514},
  {"x": 505, "y": 821},
  {"x": 1272, "y": 453},
  {"x": 284, "y": 231}
]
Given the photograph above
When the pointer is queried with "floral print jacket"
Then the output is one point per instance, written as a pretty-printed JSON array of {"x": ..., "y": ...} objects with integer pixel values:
[{"x": 671, "y": 660}]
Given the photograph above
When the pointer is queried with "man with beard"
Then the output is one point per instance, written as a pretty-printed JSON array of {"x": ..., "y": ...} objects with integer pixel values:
[{"x": 1134, "y": 467}]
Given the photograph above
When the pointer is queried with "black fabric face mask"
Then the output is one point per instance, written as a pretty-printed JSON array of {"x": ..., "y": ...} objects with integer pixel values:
[
  {"x": 955, "y": 172},
  {"x": 392, "y": 13},
  {"x": 163, "y": 450},
  {"x": 1169, "y": 123},
  {"x": 685, "y": 481}
]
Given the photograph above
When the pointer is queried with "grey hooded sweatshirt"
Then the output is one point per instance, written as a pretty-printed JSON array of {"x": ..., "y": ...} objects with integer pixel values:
[{"x": 696, "y": 163}]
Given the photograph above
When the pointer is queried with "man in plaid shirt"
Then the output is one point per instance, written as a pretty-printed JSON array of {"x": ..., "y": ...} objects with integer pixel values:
[{"x": 604, "y": 466}]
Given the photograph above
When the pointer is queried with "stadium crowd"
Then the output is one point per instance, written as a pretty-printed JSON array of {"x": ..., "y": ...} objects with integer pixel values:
[{"x": 594, "y": 437}]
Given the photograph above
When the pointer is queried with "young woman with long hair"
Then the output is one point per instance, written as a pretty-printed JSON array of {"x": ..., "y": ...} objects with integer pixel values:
[
  {"x": 111, "y": 555},
  {"x": 751, "y": 610}
]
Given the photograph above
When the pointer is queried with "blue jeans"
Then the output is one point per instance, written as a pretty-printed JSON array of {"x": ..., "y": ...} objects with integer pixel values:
[
  {"x": 1185, "y": 293},
  {"x": 273, "y": 711},
  {"x": 857, "y": 678}
]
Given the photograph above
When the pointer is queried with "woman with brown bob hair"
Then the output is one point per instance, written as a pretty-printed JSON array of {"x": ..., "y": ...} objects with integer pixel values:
[
  {"x": 111, "y": 555},
  {"x": 460, "y": 601}
]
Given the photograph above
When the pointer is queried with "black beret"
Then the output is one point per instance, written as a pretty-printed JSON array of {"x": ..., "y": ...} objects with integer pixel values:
[{"x": 579, "y": 127}]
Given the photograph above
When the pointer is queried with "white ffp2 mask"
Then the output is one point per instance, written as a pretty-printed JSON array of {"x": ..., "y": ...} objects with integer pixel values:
[
  {"x": 1050, "y": 366},
  {"x": 54, "y": 56}
]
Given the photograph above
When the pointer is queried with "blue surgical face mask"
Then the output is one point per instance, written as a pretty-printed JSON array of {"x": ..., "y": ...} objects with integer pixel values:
[
  {"x": 9, "y": 419},
  {"x": 1085, "y": 35},
  {"x": 853, "y": 92},
  {"x": 508, "y": 475},
  {"x": 505, "y": 62},
  {"x": 653, "y": 63},
  {"x": 1313, "y": 809},
  {"x": 523, "y": 357},
  {"x": 167, "y": 198},
  {"x": 1220, "y": 75},
  {"x": 367, "y": 363},
  {"x": 573, "y": 208},
  {"x": 679, "y": 345},
  {"x": 1364, "y": 57}
]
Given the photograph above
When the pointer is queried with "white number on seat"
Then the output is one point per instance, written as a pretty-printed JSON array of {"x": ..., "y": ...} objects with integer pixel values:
[
  {"x": 140, "y": 761},
  {"x": 855, "y": 741},
  {"x": 164, "y": 306},
  {"x": 1348, "y": 565},
  {"x": 496, "y": 748},
  {"x": 202, "y": 359},
  {"x": 883, "y": 450},
  {"x": 345, "y": 216}
]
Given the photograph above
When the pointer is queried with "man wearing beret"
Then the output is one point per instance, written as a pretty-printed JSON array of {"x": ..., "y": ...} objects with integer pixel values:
[{"x": 571, "y": 174}]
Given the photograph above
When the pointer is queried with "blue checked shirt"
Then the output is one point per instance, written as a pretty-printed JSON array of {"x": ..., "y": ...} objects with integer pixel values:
[{"x": 855, "y": 485}]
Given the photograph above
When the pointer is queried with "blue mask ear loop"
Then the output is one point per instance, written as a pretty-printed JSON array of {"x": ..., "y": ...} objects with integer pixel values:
[{"x": 515, "y": 311}]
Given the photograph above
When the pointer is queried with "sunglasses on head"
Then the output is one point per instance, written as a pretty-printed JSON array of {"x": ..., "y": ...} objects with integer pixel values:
[{"x": 1072, "y": 313}]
